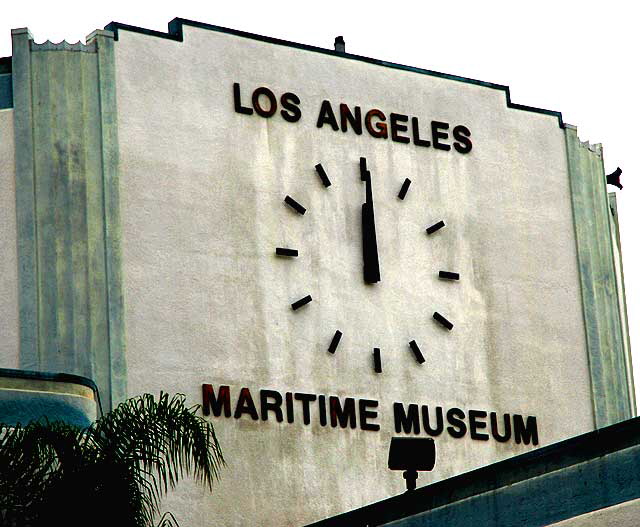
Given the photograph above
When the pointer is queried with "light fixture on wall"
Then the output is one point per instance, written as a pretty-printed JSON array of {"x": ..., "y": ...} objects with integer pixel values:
[{"x": 412, "y": 454}]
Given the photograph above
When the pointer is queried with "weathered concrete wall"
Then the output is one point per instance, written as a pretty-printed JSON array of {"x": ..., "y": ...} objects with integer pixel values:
[
  {"x": 621, "y": 298},
  {"x": 208, "y": 302},
  {"x": 9, "y": 329},
  {"x": 67, "y": 208},
  {"x": 607, "y": 339}
]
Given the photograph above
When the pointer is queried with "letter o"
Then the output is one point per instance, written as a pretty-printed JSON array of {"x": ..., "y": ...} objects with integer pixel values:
[{"x": 255, "y": 100}]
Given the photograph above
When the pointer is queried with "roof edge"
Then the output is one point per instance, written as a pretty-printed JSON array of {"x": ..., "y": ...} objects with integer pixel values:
[{"x": 176, "y": 33}]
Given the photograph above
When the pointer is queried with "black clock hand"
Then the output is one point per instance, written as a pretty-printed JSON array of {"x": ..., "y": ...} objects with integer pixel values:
[{"x": 369, "y": 242}]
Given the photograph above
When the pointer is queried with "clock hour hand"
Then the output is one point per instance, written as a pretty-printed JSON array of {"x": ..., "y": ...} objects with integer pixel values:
[{"x": 369, "y": 244}]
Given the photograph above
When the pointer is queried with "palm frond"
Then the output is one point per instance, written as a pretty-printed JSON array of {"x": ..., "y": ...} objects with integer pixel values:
[{"x": 125, "y": 461}]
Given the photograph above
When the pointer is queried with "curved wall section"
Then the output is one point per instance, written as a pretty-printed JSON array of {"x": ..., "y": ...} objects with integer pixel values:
[{"x": 28, "y": 396}]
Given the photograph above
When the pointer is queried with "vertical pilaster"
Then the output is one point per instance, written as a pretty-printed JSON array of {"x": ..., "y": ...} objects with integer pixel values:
[
  {"x": 622, "y": 297},
  {"x": 112, "y": 224},
  {"x": 25, "y": 198},
  {"x": 68, "y": 211},
  {"x": 612, "y": 401}
]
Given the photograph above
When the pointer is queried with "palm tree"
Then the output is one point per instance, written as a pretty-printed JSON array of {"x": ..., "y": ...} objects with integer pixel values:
[{"x": 112, "y": 473}]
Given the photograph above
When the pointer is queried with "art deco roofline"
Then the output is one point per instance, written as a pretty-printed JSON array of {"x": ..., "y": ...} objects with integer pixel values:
[{"x": 176, "y": 33}]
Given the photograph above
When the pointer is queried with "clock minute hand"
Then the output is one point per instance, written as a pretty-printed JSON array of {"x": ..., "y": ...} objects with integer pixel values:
[{"x": 369, "y": 243}]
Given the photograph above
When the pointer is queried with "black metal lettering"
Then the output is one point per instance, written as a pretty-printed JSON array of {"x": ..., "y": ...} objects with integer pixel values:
[
  {"x": 462, "y": 135},
  {"x": 288, "y": 398},
  {"x": 365, "y": 413},
  {"x": 245, "y": 405},
  {"x": 255, "y": 100},
  {"x": 426, "y": 422},
  {"x": 406, "y": 421},
  {"x": 437, "y": 133},
  {"x": 525, "y": 433},
  {"x": 344, "y": 414},
  {"x": 501, "y": 438},
  {"x": 396, "y": 120},
  {"x": 274, "y": 406},
  {"x": 305, "y": 399},
  {"x": 475, "y": 424},
  {"x": 290, "y": 112},
  {"x": 455, "y": 418},
  {"x": 378, "y": 129},
  {"x": 322, "y": 410},
  {"x": 347, "y": 118},
  {"x": 415, "y": 125},
  {"x": 326, "y": 116},
  {"x": 213, "y": 404},
  {"x": 237, "y": 104}
]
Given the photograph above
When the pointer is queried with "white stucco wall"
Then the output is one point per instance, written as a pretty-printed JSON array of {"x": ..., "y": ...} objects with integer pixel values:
[
  {"x": 208, "y": 302},
  {"x": 9, "y": 329}
]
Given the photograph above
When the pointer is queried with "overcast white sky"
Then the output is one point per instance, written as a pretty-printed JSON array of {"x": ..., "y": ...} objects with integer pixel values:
[{"x": 579, "y": 58}]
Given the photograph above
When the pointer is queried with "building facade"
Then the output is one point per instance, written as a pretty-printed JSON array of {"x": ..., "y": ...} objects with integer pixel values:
[{"x": 322, "y": 249}]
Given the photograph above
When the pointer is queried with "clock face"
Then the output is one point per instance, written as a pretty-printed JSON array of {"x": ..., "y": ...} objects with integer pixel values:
[{"x": 381, "y": 265}]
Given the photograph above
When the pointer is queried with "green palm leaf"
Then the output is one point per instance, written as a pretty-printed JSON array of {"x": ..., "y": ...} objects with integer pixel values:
[{"x": 113, "y": 473}]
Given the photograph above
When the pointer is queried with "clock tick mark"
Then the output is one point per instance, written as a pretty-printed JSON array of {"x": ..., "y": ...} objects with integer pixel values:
[
  {"x": 404, "y": 188},
  {"x": 302, "y": 302},
  {"x": 323, "y": 175},
  {"x": 377, "y": 363},
  {"x": 416, "y": 351},
  {"x": 283, "y": 251},
  {"x": 335, "y": 341},
  {"x": 295, "y": 205},
  {"x": 448, "y": 275},
  {"x": 435, "y": 227},
  {"x": 442, "y": 321},
  {"x": 364, "y": 173}
]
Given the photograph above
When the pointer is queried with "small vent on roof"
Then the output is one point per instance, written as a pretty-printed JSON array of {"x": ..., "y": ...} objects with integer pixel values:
[{"x": 338, "y": 44}]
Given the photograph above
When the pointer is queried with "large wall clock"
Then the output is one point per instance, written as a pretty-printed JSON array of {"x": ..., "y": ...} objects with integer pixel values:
[{"x": 374, "y": 262}]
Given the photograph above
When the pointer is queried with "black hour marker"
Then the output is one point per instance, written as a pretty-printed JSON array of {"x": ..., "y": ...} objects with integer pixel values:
[
  {"x": 405, "y": 187},
  {"x": 283, "y": 251},
  {"x": 294, "y": 205},
  {"x": 416, "y": 351},
  {"x": 435, "y": 227},
  {"x": 302, "y": 302},
  {"x": 323, "y": 175},
  {"x": 377, "y": 364},
  {"x": 443, "y": 321},
  {"x": 335, "y": 341},
  {"x": 448, "y": 275}
]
